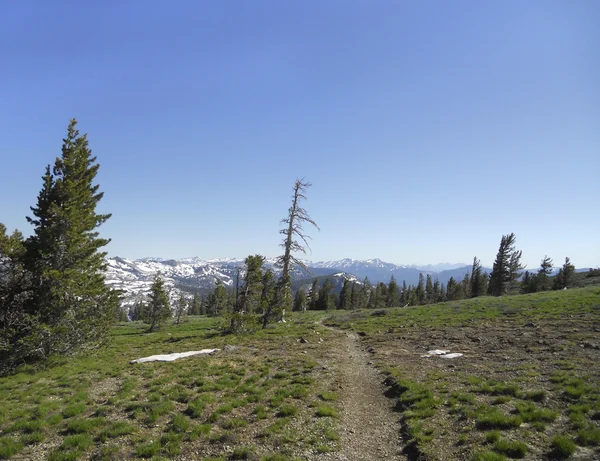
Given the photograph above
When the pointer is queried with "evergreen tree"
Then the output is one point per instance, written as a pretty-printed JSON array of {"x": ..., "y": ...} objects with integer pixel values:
[
  {"x": 217, "y": 300},
  {"x": 295, "y": 240},
  {"x": 345, "y": 296},
  {"x": 268, "y": 291},
  {"x": 404, "y": 293},
  {"x": 543, "y": 275},
  {"x": 158, "y": 309},
  {"x": 71, "y": 303},
  {"x": 380, "y": 295},
  {"x": 180, "y": 309},
  {"x": 138, "y": 311},
  {"x": 300, "y": 301},
  {"x": 420, "y": 291},
  {"x": 478, "y": 282},
  {"x": 325, "y": 302},
  {"x": 506, "y": 266},
  {"x": 564, "y": 278},
  {"x": 451, "y": 289},
  {"x": 429, "y": 296},
  {"x": 250, "y": 295},
  {"x": 365, "y": 295},
  {"x": 354, "y": 296},
  {"x": 437, "y": 291},
  {"x": 196, "y": 306},
  {"x": 313, "y": 295},
  {"x": 393, "y": 297},
  {"x": 528, "y": 283},
  {"x": 16, "y": 343}
]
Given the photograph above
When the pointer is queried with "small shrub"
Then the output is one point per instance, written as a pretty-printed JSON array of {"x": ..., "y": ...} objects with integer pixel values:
[
  {"x": 589, "y": 437},
  {"x": 536, "y": 396},
  {"x": 241, "y": 453},
  {"x": 325, "y": 410},
  {"x": 179, "y": 423},
  {"x": 513, "y": 449},
  {"x": 147, "y": 449},
  {"x": 117, "y": 429},
  {"x": 497, "y": 420},
  {"x": 74, "y": 410},
  {"x": 9, "y": 447},
  {"x": 562, "y": 446},
  {"x": 492, "y": 436},
  {"x": 487, "y": 456},
  {"x": 78, "y": 441},
  {"x": 328, "y": 396},
  {"x": 287, "y": 410}
]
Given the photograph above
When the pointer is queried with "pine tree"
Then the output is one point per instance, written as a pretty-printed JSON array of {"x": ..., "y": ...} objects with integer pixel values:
[
  {"x": 437, "y": 291},
  {"x": 15, "y": 294},
  {"x": 429, "y": 289},
  {"x": 71, "y": 302},
  {"x": 268, "y": 291},
  {"x": 299, "y": 301},
  {"x": 506, "y": 266},
  {"x": 404, "y": 293},
  {"x": 393, "y": 297},
  {"x": 325, "y": 302},
  {"x": 295, "y": 240},
  {"x": 365, "y": 295},
  {"x": 354, "y": 295},
  {"x": 313, "y": 295},
  {"x": 180, "y": 309},
  {"x": 158, "y": 309},
  {"x": 478, "y": 282},
  {"x": 345, "y": 296},
  {"x": 196, "y": 306},
  {"x": 420, "y": 291},
  {"x": 217, "y": 300},
  {"x": 250, "y": 295},
  {"x": 564, "y": 278},
  {"x": 543, "y": 275}
]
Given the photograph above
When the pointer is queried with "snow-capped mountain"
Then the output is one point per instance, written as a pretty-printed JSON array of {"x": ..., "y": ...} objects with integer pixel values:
[{"x": 190, "y": 275}]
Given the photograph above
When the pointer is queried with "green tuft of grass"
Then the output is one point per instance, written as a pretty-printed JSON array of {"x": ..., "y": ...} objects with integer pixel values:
[
  {"x": 513, "y": 449},
  {"x": 9, "y": 447},
  {"x": 487, "y": 456},
  {"x": 589, "y": 437},
  {"x": 530, "y": 413},
  {"x": 562, "y": 447},
  {"x": 83, "y": 426},
  {"x": 74, "y": 410},
  {"x": 328, "y": 396},
  {"x": 179, "y": 423},
  {"x": 115, "y": 430},
  {"x": 494, "y": 419},
  {"x": 287, "y": 410},
  {"x": 325, "y": 411},
  {"x": 147, "y": 449},
  {"x": 77, "y": 441},
  {"x": 241, "y": 453}
]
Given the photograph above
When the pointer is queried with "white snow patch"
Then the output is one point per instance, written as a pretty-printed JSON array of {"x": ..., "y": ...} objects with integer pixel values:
[{"x": 171, "y": 357}]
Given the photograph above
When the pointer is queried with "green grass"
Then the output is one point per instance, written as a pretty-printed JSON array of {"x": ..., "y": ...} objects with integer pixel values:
[
  {"x": 562, "y": 446},
  {"x": 258, "y": 396},
  {"x": 325, "y": 411},
  {"x": 511, "y": 448}
]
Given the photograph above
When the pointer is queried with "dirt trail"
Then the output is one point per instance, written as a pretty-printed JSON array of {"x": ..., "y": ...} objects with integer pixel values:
[{"x": 369, "y": 427}]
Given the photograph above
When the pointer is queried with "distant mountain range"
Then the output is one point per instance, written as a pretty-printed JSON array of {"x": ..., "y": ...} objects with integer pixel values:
[{"x": 196, "y": 275}]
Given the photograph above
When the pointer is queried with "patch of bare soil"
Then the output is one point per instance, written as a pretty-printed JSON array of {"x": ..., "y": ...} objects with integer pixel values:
[{"x": 369, "y": 426}]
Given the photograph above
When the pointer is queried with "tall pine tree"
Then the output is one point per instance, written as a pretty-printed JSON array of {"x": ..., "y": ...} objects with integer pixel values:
[{"x": 71, "y": 302}]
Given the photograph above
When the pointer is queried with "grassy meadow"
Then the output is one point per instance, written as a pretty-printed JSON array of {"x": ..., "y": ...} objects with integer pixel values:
[{"x": 528, "y": 386}]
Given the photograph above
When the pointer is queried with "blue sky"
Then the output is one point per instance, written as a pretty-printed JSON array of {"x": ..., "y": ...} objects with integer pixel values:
[{"x": 428, "y": 129}]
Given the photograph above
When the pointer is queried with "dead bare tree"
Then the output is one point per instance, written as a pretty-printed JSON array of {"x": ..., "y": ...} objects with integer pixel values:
[{"x": 295, "y": 241}]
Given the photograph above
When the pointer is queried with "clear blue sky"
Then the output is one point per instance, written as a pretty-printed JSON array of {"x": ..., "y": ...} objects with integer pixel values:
[{"x": 428, "y": 129}]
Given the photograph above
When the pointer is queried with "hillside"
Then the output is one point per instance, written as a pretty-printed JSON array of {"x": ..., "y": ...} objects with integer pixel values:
[{"x": 526, "y": 386}]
